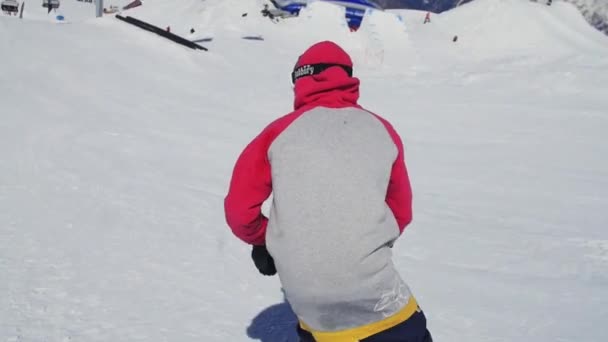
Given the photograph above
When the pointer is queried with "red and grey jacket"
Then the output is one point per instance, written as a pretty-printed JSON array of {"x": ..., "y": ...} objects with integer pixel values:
[{"x": 341, "y": 196}]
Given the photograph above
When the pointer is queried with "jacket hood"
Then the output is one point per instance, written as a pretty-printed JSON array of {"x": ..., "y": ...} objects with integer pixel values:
[{"x": 332, "y": 87}]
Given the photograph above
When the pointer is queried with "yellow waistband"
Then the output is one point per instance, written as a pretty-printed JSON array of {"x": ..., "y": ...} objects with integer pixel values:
[{"x": 364, "y": 331}]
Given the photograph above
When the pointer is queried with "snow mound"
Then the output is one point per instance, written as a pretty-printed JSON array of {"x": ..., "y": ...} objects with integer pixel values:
[{"x": 520, "y": 27}]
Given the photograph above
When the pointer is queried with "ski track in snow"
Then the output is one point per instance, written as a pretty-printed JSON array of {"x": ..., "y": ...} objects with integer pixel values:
[{"x": 117, "y": 148}]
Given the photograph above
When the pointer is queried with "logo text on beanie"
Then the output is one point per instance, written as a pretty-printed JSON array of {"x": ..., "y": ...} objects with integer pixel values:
[
  {"x": 304, "y": 70},
  {"x": 314, "y": 69}
]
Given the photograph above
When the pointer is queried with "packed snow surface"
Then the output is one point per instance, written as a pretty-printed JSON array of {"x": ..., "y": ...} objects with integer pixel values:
[{"x": 118, "y": 145}]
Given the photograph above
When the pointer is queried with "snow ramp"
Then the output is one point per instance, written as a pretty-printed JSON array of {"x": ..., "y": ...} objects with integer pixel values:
[
  {"x": 491, "y": 28},
  {"x": 374, "y": 43}
]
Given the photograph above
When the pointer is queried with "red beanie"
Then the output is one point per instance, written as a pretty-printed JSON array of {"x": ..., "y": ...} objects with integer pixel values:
[
  {"x": 322, "y": 76},
  {"x": 324, "y": 52}
]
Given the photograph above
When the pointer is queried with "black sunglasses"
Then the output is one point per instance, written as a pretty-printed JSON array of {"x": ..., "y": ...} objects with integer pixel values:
[{"x": 314, "y": 69}]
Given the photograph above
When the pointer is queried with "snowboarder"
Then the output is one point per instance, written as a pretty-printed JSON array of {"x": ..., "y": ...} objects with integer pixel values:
[
  {"x": 341, "y": 198},
  {"x": 427, "y": 18}
]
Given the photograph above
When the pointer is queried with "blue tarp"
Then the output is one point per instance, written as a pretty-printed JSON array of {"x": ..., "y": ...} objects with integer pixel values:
[{"x": 355, "y": 9}]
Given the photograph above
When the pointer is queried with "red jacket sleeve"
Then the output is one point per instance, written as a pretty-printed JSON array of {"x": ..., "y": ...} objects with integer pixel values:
[
  {"x": 250, "y": 186},
  {"x": 399, "y": 192}
]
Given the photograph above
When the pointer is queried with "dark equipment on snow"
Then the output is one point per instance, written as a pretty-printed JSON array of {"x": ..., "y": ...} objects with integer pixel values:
[
  {"x": 266, "y": 13},
  {"x": 50, "y": 4},
  {"x": 203, "y": 40},
  {"x": 275, "y": 14},
  {"x": 455, "y": 39},
  {"x": 171, "y": 36},
  {"x": 263, "y": 260},
  {"x": 10, "y": 7},
  {"x": 132, "y": 4},
  {"x": 548, "y": 2},
  {"x": 253, "y": 37}
]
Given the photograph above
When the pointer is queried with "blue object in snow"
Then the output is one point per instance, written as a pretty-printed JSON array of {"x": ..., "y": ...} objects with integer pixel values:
[
  {"x": 355, "y": 9},
  {"x": 59, "y": 17}
]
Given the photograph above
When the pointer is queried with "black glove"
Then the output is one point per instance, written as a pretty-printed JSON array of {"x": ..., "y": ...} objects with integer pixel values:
[{"x": 263, "y": 261}]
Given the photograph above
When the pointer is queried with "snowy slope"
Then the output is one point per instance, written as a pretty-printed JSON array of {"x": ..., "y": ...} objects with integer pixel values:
[
  {"x": 487, "y": 29},
  {"x": 595, "y": 11},
  {"x": 117, "y": 152}
]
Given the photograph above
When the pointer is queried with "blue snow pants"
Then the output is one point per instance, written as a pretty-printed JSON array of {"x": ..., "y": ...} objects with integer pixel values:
[{"x": 412, "y": 330}]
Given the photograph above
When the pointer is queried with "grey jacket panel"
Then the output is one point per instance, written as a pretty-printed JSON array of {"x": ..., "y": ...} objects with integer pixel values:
[{"x": 330, "y": 228}]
